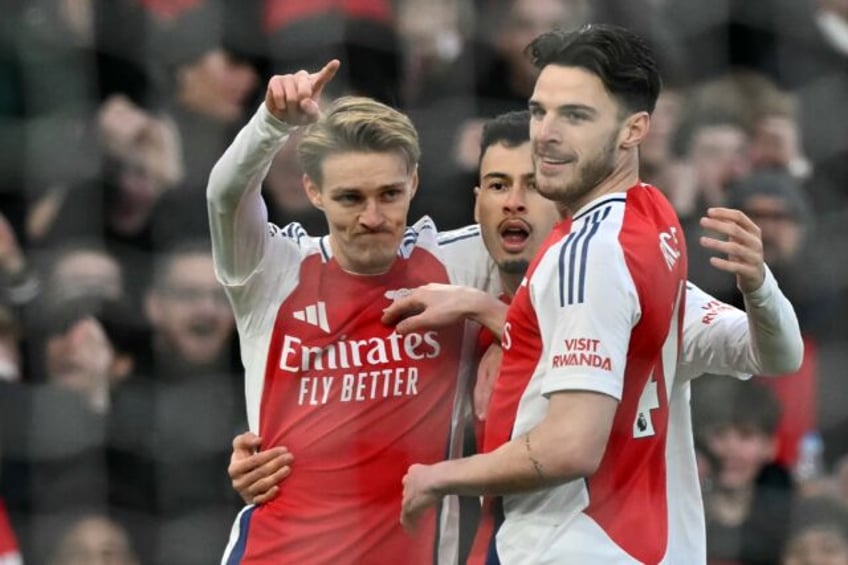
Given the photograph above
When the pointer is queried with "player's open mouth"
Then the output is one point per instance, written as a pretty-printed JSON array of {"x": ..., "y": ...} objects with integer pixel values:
[{"x": 514, "y": 235}]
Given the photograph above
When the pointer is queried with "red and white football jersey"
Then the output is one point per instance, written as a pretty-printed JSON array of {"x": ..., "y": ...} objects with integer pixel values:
[
  {"x": 717, "y": 339},
  {"x": 601, "y": 310},
  {"x": 354, "y": 401}
]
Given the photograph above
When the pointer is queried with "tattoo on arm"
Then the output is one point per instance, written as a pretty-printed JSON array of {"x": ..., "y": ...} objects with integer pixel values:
[{"x": 536, "y": 464}]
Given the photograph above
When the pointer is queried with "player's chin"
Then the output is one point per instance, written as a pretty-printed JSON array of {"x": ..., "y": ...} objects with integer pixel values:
[{"x": 377, "y": 259}]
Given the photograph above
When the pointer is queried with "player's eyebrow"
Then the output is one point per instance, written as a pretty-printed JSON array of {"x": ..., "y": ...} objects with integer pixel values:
[
  {"x": 497, "y": 175},
  {"x": 358, "y": 189},
  {"x": 565, "y": 108}
]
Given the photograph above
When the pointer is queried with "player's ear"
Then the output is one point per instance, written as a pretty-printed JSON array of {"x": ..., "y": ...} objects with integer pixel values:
[
  {"x": 313, "y": 192},
  {"x": 634, "y": 129},
  {"x": 477, "y": 204},
  {"x": 414, "y": 185}
]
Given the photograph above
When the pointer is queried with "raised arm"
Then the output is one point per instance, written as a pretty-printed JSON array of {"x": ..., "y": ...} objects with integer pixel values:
[
  {"x": 765, "y": 339},
  {"x": 237, "y": 213}
]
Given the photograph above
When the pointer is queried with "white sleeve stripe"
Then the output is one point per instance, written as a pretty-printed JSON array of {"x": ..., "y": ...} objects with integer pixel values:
[
  {"x": 570, "y": 246},
  {"x": 597, "y": 218},
  {"x": 324, "y": 253},
  {"x": 459, "y": 238}
]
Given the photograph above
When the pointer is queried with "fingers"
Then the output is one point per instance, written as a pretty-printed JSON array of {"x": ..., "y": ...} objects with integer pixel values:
[
  {"x": 266, "y": 497},
  {"x": 408, "y": 521},
  {"x": 734, "y": 231},
  {"x": 744, "y": 243},
  {"x": 266, "y": 489},
  {"x": 275, "y": 97},
  {"x": 732, "y": 249},
  {"x": 322, "y": 77},
  {"x": 400, "y": 309},
  {"x": 247, "y": 442},
  {"x": 254, "y": 477},
  {"x": 745, "y": 271},
  {"x": 292, "y": 98},
  {"x": 735, "y": 216}
]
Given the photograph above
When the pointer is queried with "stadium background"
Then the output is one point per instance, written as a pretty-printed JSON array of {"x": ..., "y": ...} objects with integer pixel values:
[{"x": 112, "y": 113}]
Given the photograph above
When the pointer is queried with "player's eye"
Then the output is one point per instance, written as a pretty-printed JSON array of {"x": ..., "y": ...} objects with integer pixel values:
[
  {"x": 575, "y": 117},
  {"x": 348, "y": 198},
  {"x": 391, "y": 195}
]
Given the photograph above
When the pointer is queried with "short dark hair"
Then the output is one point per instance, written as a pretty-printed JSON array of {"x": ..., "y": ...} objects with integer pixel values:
[
  {"x": 164, "y": 261},
  {"x": 620, "y": 58},
  {"x": 511, "y": 129},
  {"x": 818, "y": 512},
  {"x": 777, "y": 183},
  {"x": 696, "y": 121},
  {"x": 718, "y": 402}
]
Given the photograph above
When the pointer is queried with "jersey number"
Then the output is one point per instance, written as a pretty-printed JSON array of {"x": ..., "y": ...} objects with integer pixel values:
[{"x": 643, "y": 424}]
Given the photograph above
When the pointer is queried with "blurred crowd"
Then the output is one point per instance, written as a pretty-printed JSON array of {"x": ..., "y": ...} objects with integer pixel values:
[{"x": 120, "y": 378}]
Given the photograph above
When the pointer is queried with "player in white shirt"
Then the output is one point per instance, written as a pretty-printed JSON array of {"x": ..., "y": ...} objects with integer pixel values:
[{"x": 573, "y": 329}]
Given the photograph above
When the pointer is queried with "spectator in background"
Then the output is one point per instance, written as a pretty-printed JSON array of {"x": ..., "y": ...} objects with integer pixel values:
[
  {"x": 172, "y": 423},
  {"x": 54, "y": 421},
  {"x": 189, "y": 313},
  {"x": 818, "y": 533},
  {"x": 362, "y": 35},
  {"x": 657, "y": 162},
  {"x": 813, "y": 64},
  {"x": 93, "y": 540},
  {"x": 714, "y": 153},
  {"x": 284, "y": 193},
  {"x": 18, "y": 282},
  {"x": 767, "y": 112},
  {"x": 432, "y": 36},
  {"x": 80, "y": 269},
  {"x": 142, "y": 160},
  {"x": 207, "y": 82},
  {"x": 747, "y": 504},
  {"x": 44, "y": 44},
  {"x": 713, "y": 146}
]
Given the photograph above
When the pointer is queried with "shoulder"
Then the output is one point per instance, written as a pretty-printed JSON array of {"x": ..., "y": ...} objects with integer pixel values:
[
  {"x": 295, "y": 233},
  {"x": 425, "y": 234}
]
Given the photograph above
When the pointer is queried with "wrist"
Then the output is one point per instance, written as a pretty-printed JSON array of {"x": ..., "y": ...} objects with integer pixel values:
[
  {"x": 438, "y": 483},
  {"x": 760, "y": 294}
]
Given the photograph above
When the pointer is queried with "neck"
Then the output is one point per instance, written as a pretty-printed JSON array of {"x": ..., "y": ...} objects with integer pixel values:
[
  {"x": 730, "y": 506},
  {"x": 510, "y": 282}
]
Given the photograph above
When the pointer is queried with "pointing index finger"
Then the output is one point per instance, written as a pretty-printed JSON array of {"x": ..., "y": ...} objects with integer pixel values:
[{"x": 322, "y": 77}]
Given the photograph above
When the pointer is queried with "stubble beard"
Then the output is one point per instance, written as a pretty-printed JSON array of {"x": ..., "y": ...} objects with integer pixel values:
[
  {"x": 588, "y": 177},
  {"x": 514, "y": 266}
]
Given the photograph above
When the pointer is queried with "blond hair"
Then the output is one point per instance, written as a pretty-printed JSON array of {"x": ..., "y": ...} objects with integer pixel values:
[{"x": 353, "y": 123}]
